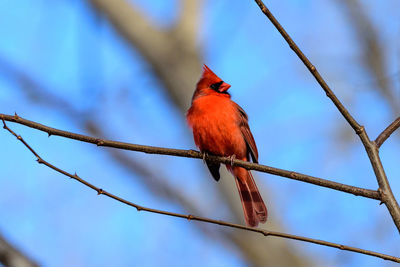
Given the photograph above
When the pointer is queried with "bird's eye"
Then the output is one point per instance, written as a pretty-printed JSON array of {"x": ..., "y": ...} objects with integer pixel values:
[{"x": 215, "y": 86}]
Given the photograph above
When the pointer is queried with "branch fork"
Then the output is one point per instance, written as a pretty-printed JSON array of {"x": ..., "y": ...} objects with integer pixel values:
[{"x": 371, "y": 147}]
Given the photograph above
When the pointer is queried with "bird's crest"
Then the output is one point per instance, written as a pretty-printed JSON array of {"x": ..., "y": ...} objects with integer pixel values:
[{"x": 209, "y": 74}]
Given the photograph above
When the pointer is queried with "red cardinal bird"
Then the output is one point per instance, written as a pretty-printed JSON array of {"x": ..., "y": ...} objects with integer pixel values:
[{"x": 220, "y": 127}]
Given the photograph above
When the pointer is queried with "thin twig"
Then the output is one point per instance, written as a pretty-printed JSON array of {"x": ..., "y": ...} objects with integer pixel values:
[
  {"x": 195, "y": 154},
  {"x": 387, "y": 132},
  {"x": 197, "y": 218},
  {"x": 42, "y": 95},
  {"x": 353, "y": 123},
  {"x": 372, "y": 150}
]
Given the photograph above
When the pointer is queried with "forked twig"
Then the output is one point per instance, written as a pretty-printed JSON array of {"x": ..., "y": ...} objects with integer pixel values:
[
  {"x": 197, "y": 218},
  {"x": 371, "y": 148}
]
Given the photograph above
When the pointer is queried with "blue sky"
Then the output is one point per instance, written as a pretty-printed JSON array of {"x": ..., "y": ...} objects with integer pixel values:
[{"x": 77, "y": 56}]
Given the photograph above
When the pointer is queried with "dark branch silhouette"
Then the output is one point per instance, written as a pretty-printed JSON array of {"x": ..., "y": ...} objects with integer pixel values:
[
  {"x": 371, "y": 148},
  {"x": 197, "y": 218},
  {"x": 43, "y": 96},
  {"x": 196, "y": 154},
  {"x": 387, "y": 132},
  {"x": 329, "y": 93}
]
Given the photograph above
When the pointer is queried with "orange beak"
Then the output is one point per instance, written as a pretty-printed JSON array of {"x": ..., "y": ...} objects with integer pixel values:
[{"x": 224, "y": 87}]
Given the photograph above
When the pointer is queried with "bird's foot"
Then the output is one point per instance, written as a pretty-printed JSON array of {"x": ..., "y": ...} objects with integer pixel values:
[
  {"x": 205, "y": 155},
  {"x": 232, "y": 158}
]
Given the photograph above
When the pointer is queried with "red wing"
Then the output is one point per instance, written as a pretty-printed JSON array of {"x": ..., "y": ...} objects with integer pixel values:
[{"x": 247, "y": 135}]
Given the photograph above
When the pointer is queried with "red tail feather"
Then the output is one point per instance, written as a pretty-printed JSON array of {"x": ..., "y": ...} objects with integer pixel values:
[{"x": 254, "y": 208}]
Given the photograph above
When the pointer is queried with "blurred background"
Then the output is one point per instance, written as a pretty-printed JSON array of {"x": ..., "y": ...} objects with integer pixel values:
[{"x": 126, "y": 70}]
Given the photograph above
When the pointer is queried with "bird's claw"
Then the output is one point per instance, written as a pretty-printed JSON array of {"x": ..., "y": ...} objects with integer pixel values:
[
  {"x": 232, "y": 158},
  {"x": 204, "y": 156}
]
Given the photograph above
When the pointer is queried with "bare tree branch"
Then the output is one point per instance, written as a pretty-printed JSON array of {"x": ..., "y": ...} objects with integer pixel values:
[
  {"x": 372, "y": 150},
  {"x": 12, "y": 257},
  {"x": 387, "y": 132},
  {"x": 329, "y": 93},
  {"x": 157, "y": 184},
  {"x": 195, "y": 154},
  {"x": 197, "y": 218},
  {"x": 38, "y": 93},
  {"x": 186, "y": 28}
]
